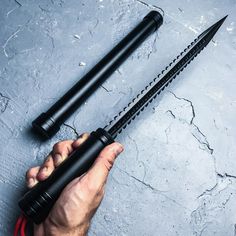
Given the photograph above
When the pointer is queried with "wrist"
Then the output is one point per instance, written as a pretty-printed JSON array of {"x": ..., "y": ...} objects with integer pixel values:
[
  {"x": 66, "y": 232},
  {"x": 52, "y": 229}
]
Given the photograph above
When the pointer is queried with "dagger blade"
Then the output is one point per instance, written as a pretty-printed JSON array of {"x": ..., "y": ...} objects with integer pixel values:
[{"x": 159, "y": 83}]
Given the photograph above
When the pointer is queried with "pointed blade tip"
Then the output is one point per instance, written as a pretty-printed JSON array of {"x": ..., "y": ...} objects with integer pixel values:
[
  {"x": 224, "y": 18},
  {"x": 221, "y": 21},
  {"x": 214, "y": 28}
]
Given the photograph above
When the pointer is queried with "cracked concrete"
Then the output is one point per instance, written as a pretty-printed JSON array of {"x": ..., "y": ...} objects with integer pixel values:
[
  {"x": 4, "y": 100},
  {"x": 211, "y": 204},
  {"x": 195, "y": 130},
  {"x": 177, "y": 175},
  {"x": 73, "y": 129}
]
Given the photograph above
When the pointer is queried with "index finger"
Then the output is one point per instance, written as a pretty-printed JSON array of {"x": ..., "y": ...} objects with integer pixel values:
[{"x": 63, "y": 149}]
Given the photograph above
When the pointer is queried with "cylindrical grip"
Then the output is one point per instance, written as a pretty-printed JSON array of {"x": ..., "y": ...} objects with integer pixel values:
[
  {"x": 48, "y": 123},
  {"x": 38, "y": 201}
]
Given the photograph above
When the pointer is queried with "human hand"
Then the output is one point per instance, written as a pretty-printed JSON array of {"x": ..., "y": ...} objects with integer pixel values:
[{"x": 72, "y": 212}]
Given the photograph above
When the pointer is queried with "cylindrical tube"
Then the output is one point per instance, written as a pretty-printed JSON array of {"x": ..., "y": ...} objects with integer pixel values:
[
  {"x": 48, "y": 123},
  {"x": 38, "y": 201}
]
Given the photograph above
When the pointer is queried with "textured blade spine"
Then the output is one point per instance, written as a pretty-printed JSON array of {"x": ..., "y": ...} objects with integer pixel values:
[{"x": 159, "y": 83}]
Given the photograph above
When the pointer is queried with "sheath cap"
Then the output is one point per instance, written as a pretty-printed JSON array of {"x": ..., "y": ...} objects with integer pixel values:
[
  {"x": 45, "y": 126},
  {"x": 156, "y": 16}
]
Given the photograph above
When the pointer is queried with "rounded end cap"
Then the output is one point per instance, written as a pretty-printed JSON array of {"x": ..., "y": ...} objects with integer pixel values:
[
  {"x": 35, "y": 205},
  {"x": 45, "y": 126},
  {"x": 156, "y": 16}
]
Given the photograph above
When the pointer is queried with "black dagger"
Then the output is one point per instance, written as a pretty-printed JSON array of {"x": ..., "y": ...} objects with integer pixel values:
[
  {"x": 37, "y": 202},
  {"x": 155, "y": 87}
]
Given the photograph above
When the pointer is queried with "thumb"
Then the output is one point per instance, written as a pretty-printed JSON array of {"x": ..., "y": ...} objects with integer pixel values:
[{"x": 98, "y": 173}]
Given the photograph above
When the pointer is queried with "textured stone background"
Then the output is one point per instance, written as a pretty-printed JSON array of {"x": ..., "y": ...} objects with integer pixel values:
[{"x": 178, "y": 173}]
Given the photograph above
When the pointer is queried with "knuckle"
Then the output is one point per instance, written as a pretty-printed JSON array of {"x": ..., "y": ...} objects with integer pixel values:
[
  {"x": 57, "y": 145},
  {"x": 94, "y": 187},
  {"x": 108, "y": 164},
  {"x": 111, "y": 155},
  {"x": 85, "y": 135}
]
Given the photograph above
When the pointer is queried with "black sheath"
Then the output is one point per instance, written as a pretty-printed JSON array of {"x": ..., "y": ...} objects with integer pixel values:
[{"x": 48, "y": 123}]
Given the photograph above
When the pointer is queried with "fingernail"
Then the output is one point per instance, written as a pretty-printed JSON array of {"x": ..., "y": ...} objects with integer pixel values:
[
  {"x": 119, "y": 149},
  {"x": 31, "y": 182},
  {"x": 85, "y": 135},
  {"x": 57, "y": 158}
]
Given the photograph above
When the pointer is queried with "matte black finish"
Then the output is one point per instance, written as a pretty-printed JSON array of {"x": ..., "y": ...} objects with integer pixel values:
[
  {"x": 48, "y": 123},
  {"x": 37, "y": 202},
  {"x": 155, "y": 87}
]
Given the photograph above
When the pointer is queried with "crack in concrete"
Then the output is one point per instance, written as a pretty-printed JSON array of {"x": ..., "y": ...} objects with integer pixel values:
[
  {"x": 136, "y": 147},
  {"x": 52, "y": 42},
  {"x": 187, "y": 100},
  {"x": 9, "y": 39},
  {"x": 171, "y": 113},
  {"x": 43, "y": 9},
  {"x": 118, "y": 70},
  {"x": 207, "y": 207},
  {"x": 73, "y": 129},
  {"x": 90, "y": 32},
  {"x": 152, "y": 6},
  {"x": 215, "y": 124},
  {"x": 207, "y": 191},
  {"x": 200, "y": 220},
  {"x": 139, "y": 180},
  {"x": 196, "y": 132},
  {"x": 49, "y": 29},
  {"x": 144, "y": 168},
  {"x": 18, "y": 3},
  {"x": 165, "y": 14},
  {"x": 226, "y": 201},
  {"x": 94, "y": 27},
  {"x": 61, "y": 3},
  {"x": 153, "y": 49},
  {"x": 150, "y": 187},
  {"x": 204, "y": 143},
  {"x": 12, "y": 10},
  {"x": 167, "y": 131},
  {"x": 96, "y": 24},
  {"x": 225, "y": 175},
  {"x": 107, "y": 90},
  {"x": 144, "y": 183},
  {"x": 4, "y": 102}
]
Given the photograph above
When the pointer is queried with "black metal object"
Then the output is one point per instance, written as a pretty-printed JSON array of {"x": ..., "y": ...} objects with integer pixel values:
[
  {"x": 48, "y": 123},
  {"x": 37, "y": 202},
  {"x": 161, "y": 81}
]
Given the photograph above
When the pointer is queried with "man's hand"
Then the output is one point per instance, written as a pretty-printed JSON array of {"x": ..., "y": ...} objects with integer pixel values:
[{"x": 72, "y": 212}]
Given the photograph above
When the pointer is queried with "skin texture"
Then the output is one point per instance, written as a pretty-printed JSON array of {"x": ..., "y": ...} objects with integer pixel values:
[{"x": 74, "y": 209}]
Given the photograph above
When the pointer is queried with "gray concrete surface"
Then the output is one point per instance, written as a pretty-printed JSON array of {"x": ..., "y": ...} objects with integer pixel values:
[{"x": 178, "y": 173}]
